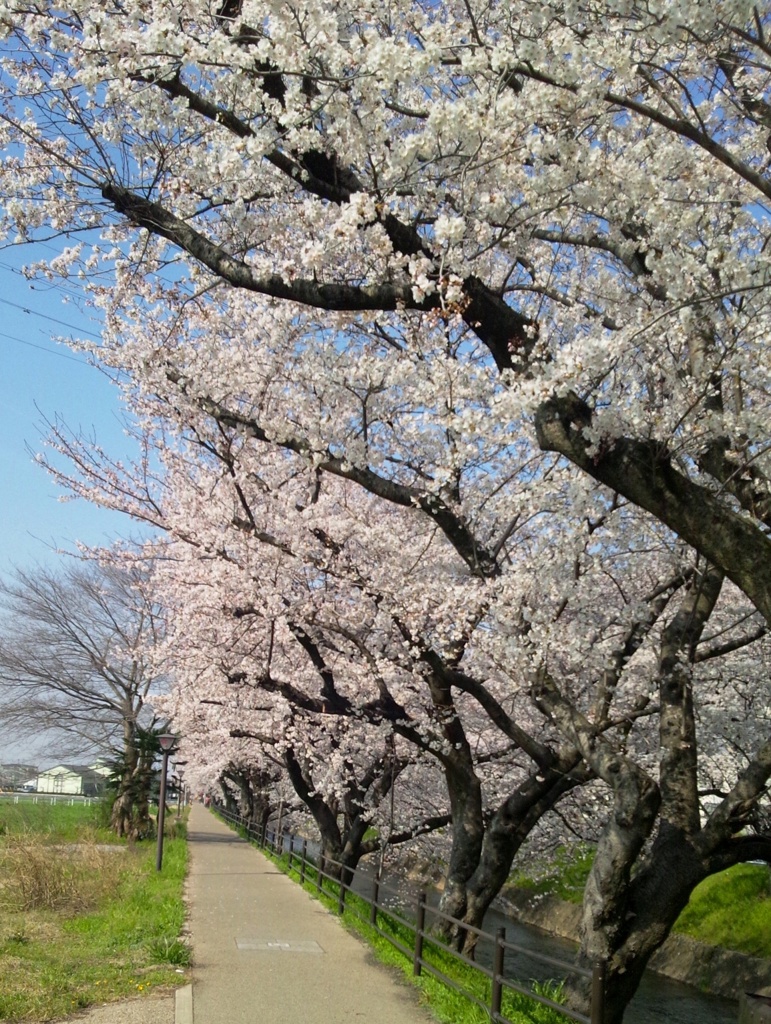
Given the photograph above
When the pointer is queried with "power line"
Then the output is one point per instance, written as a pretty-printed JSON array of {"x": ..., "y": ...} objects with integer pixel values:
[
  {"x": 60, "y": 286},
  {"x": 53, "y": 319},
  {"x": 50, "y": 351}
]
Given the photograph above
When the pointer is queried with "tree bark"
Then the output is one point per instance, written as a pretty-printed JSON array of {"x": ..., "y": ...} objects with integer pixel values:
[
  {"x": 507, "y": 831},
  {"x": 122, "y": 814},
  {"x": 644, "y": 473},
  {"x": 631, "y": 902}
]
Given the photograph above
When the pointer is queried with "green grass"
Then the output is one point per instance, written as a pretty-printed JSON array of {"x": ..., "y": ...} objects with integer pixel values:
[
  {"x": 733, "y": 910},
  {"x": 446, "y": 1004},
  {"x": 62, "y": 821},
  {"x": 121, "y": 937},
  {"x": 564, "y": 876}
]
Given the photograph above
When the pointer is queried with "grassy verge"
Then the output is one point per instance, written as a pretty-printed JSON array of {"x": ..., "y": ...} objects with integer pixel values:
[
  {"x": 448, "y": 1005},
  {"x": 731, "y": 909},
  {"x": 564, "y": 876},
  {"x": 61, "y": 821},
  {"x": 82, "y": 925}
]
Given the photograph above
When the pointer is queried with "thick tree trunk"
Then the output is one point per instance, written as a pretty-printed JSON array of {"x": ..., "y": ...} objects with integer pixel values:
[
  {"x": 509, "y": 828},
  {"x": 652, "y": 903},
  {"x": 122, "y": 814},
  {"x": 465, "y": 794},
  {"x": 142, "y": 825},
  {"x": 353, "y": 849},
  {"x": 231, "y": 804},
  {"x": 626, "y": 918},
  {"x": 260, "y": 810}
]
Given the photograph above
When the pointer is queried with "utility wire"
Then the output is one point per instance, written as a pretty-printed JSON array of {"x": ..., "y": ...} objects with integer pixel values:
[
  {"x": 52, "y": 319},
  {"x": 50, "y": 351}
]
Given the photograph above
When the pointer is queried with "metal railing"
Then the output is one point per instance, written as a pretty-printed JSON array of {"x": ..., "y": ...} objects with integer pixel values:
[
  {"x": 394, "y": 927},
  {"x": 47, "y": 798}
]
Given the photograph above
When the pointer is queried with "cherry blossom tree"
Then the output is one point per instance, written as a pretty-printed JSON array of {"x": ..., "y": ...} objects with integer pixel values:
[
  {"x": 413, "y": 247},
  {"x": 246, "y": 561},
  {"x": 580, "y": 193},
  {"x": 263, "y": 544}
]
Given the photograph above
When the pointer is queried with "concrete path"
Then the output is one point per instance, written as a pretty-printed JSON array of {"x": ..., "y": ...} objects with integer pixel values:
[
  {"x": 149, "y": 1010},
  {"x": 264, "y": 950}
]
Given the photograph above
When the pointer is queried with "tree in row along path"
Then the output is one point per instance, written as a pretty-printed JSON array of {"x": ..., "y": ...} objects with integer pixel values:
[{"x": 489, "y": 284}]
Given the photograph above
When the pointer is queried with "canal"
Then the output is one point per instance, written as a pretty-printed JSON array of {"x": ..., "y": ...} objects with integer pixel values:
[{"x": 658, "y": 1000}]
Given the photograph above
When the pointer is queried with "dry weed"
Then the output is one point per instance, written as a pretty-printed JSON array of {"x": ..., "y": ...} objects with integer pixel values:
[{"x": 36, "y": 874}]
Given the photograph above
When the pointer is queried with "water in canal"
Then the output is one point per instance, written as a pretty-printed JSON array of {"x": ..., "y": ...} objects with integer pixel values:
[{"x": 657, "y": 1001}]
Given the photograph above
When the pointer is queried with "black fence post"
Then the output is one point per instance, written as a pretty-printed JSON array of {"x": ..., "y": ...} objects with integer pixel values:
[
  {"x": 320, "y": 874},
  {"x": 598, "y": 994},
  {"x": 264, "y": 834},
  {"x": 291, "y": 850},
  {"x": 375, "y": 898},
  {"x": 341, "y": 893},
  {"x": 497, "y": 989},
  {"x": 420, "y": 924},
  {"x": 303, "y": 855}
]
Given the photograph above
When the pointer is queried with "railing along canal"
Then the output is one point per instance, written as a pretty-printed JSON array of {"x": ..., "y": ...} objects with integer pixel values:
[{"x": 334, "y": 872}]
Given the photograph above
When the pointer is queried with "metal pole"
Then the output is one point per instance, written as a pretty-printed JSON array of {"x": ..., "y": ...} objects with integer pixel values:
[
  {"x": 161, "y": 811},
  {"x": 497, "y": 990},
  {"x": 279, "y": 837},
  {"x": 341, "y": 893},
  {"x": 598, "y": 994},
  {"x": 420, "y": 924},
  {"x": 375, "y": 898}
]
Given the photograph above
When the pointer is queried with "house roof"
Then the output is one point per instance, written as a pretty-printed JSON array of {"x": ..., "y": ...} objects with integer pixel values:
[{"x": 71, "y": 769}]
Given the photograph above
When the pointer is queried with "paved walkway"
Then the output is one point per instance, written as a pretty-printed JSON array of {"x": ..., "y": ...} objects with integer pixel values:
[{"x": 265, "y": 950}]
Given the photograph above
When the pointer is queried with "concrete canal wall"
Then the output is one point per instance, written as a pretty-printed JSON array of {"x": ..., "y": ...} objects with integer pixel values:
[{"x": 709, "y": 968}]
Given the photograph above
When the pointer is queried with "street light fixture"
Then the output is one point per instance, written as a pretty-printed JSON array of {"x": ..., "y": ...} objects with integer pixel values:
[{"x": 167, "y": 742}]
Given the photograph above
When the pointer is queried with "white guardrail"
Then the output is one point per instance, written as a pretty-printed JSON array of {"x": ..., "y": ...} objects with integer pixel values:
[{"x": 47, "y": 798}]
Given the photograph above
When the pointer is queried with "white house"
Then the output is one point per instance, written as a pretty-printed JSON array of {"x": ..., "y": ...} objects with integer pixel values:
[{"x": 75, "y": 780}]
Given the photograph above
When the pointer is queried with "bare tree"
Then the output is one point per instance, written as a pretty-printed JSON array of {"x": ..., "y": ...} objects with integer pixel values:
[{"x": 73, "y": 665}]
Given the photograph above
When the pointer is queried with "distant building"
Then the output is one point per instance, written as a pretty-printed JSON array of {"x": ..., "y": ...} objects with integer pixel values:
[
  {"x": 16, "y": 776},
  {"x": 75, "y": 780}
]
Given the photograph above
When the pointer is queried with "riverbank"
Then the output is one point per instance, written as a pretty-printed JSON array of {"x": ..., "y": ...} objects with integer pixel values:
[{"x": 712, "y": 969}]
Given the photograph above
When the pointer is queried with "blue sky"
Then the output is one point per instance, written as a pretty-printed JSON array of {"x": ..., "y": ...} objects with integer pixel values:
[{"x": 40, "y": 380}]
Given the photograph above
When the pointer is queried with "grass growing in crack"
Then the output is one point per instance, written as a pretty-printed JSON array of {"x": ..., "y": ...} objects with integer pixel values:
[
  {"x": 167, "y": 950},
  {"x": 111, "y": 931}
]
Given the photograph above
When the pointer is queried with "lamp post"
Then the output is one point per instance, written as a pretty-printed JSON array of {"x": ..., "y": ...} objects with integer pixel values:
[
  {"x": 167, "y": 742},
  {"x": 180, "y": 788}
]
